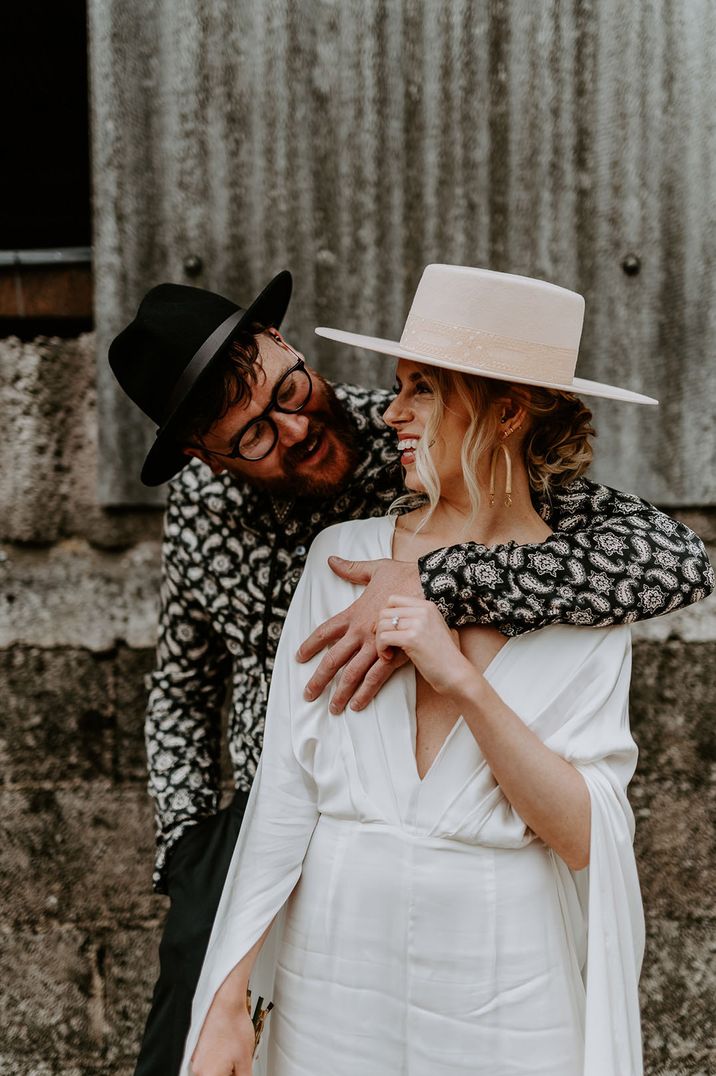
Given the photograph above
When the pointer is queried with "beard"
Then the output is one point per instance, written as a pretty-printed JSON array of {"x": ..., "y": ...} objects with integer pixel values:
[{"x": 342, "y": 454}]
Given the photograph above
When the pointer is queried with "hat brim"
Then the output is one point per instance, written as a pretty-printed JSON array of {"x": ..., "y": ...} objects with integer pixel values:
[
  {"x": 166, "y": 457},
  {"x": 579, "y": 385}
]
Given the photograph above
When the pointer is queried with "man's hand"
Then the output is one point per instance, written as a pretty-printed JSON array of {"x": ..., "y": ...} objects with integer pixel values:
[{"x": 350, "y": 635}]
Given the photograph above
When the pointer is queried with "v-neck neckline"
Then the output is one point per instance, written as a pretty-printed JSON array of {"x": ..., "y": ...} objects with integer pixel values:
[
  {"x": 413, "y": 687},
  {"x": 413, "y": 720}
]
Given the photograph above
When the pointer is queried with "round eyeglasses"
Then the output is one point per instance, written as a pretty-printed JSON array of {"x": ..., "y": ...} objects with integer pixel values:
[{"x": 258, "y": 438}]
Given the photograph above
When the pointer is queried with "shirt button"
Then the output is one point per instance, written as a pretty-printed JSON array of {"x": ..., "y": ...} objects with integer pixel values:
[{"x": 300, "y": 550}]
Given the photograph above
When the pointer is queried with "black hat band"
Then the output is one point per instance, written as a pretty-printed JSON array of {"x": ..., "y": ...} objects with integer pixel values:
[{"x": 204, "y": 355}]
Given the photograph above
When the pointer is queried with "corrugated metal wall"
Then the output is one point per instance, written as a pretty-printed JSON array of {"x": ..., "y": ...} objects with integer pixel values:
[{"x": 354, "y": 141}]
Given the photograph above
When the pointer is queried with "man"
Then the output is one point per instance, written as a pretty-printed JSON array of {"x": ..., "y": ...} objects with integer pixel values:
[{"x": 263, "y": 453}]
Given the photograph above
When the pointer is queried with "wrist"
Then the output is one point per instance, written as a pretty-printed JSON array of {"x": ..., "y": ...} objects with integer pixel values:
[
  {"x": 232, "y": 992},
  {"x": 466, "y": 685},
  {"x": 411, "y": 580}
]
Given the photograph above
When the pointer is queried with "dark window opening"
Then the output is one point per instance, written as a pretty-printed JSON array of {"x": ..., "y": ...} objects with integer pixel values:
[{"x": 45, "y": 221}]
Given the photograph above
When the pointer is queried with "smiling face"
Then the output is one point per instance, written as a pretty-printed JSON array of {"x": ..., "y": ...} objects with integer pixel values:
[
  {"x": 411, "y": 415},
  {"x": 316, "y": 449},
  {"x": 449, "y": 425}
]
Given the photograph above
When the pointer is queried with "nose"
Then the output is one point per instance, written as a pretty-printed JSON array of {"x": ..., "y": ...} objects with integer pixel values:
[
  {"x": 396, "y": 412},
  {"x": 292, "y": 429}
]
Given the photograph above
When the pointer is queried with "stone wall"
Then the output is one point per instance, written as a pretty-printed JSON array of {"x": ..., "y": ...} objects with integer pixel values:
[{"x": 78, "y": 922}]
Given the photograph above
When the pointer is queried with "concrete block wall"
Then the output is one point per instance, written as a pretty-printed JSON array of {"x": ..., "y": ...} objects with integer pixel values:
[
  {"x": 79, "y": 924},
  {"x": 78, "y": 920}
]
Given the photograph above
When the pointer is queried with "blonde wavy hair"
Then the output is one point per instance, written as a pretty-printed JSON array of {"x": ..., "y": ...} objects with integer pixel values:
[{"x": 556, "y": 448}]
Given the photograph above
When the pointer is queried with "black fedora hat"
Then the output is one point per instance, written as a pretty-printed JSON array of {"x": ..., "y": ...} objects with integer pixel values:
[{"x": 176, "y": 338}]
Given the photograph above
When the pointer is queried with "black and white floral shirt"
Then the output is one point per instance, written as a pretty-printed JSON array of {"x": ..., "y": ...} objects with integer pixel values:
[{"x": 232, "y": 556}]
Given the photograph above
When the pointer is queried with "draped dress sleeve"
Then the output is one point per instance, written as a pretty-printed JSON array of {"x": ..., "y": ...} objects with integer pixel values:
[
  {"x": 280, "y": 817},
  {"x": 604, "y": 898}
]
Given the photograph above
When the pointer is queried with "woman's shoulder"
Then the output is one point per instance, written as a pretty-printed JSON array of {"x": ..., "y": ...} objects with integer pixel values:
[
  {"x": 355, "y": 539},
  {"x": 561, "y": 661},
  {"x": 569, "y": 646}
]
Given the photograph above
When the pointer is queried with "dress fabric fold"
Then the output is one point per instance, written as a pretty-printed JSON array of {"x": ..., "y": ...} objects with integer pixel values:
[{"x": 420, "y": 928}]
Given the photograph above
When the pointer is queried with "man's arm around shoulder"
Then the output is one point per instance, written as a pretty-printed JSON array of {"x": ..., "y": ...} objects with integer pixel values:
[{"x": 614, "y": 558}]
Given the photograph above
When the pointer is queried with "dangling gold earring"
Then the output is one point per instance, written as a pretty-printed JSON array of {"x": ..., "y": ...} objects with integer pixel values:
[
  {"x": 508, "y": 482},
  {"x": 508, "y": 462}
]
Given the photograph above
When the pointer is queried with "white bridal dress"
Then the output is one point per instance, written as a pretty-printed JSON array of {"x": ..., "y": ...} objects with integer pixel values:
[{"x": 419, "y": 927}]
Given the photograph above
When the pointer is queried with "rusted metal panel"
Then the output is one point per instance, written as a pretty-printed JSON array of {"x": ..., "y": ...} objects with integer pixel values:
[
  {"x": 49, "y": 292},
  {"x": 354, "y": 141}
]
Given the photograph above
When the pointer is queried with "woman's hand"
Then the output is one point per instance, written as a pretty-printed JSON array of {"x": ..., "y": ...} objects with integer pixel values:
[
  {"x": 227, "y": 1040},
  {"x": 425, "y": 638}
]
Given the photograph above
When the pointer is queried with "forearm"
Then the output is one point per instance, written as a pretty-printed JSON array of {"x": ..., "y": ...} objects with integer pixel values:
[
  {"x": 232, "y": 992},
  {"x": 182, "y": 725},
  {"x": 227, "y": 1039},
  {"x": 547, "y": 792},
  {"x": 618, "y": 570},
  {"x": 182, "y": 739}
]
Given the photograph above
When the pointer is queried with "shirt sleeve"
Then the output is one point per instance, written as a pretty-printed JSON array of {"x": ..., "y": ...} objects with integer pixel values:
[
  {"x": 613, "y": 559},
  {"x": 187, "y": 690}
]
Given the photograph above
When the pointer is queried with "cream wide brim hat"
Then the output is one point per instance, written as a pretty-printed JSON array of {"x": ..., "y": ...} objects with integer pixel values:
[{"x": 477, "y": 321}]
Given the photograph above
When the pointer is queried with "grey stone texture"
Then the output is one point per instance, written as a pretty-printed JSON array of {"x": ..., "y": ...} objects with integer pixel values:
[
  {"x": 79, "y": 595},
  {"x": 48, "y": 476}
]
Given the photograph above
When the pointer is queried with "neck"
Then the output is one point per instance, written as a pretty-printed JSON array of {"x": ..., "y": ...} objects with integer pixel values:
[{"x": 450, "y": 523}]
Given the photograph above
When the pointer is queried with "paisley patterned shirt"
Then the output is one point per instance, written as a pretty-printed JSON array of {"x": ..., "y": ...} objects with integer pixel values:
[{"x": 233, "y": 554}]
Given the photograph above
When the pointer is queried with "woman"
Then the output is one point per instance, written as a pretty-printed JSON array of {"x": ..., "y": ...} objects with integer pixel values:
[{"x": 445, "y": 881}]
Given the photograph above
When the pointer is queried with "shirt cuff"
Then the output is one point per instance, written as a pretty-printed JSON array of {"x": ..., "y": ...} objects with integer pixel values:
[{"x": 166, "y": 842}]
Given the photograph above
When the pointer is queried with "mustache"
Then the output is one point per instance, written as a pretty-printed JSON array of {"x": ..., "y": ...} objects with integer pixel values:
[
  {"x": 331, "y": 416},
  {"x": 296, "y": 453}
]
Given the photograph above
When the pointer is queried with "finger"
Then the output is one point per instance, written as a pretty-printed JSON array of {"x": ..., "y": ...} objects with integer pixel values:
[
  {"x": 393, "y": 637},
  {"x": 385, "y": 651},
  {"x": 355, "y": 571},
  {"x": 333, "y": 660},
  {"x": 374, "y": 679},
  {"x": 387, "y": 624},
  {"x": 351, "y": 678},
  {"x": 397, "y": 600},
  {"x": 330, "y": 631}
]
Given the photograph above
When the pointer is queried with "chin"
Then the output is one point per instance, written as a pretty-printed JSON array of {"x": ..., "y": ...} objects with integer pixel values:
[
  {"x": 413, "y": 484},
  {"x": 330, "y": 476}
]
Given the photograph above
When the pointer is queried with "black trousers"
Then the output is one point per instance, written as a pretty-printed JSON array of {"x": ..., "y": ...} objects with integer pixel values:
[{"x": 195, "y": 878}]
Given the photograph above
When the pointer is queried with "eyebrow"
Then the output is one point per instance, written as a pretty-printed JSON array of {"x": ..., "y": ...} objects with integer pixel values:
[{"x": 416, "y": 376}]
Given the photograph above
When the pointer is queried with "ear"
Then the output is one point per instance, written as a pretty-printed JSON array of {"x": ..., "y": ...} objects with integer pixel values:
[
  {"x": 282, "y": 342},
  {"x": 510, "y": 407},
  {"x": 210, "y": 461}
]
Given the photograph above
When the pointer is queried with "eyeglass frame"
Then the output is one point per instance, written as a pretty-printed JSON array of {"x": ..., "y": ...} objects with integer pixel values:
[{"x": 273, "y": 405}]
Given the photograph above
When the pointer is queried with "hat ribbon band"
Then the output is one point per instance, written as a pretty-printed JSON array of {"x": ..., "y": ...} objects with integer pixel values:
[
  {"x": 200, "y": 359},
  {"x": 488, "y": 351}
]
